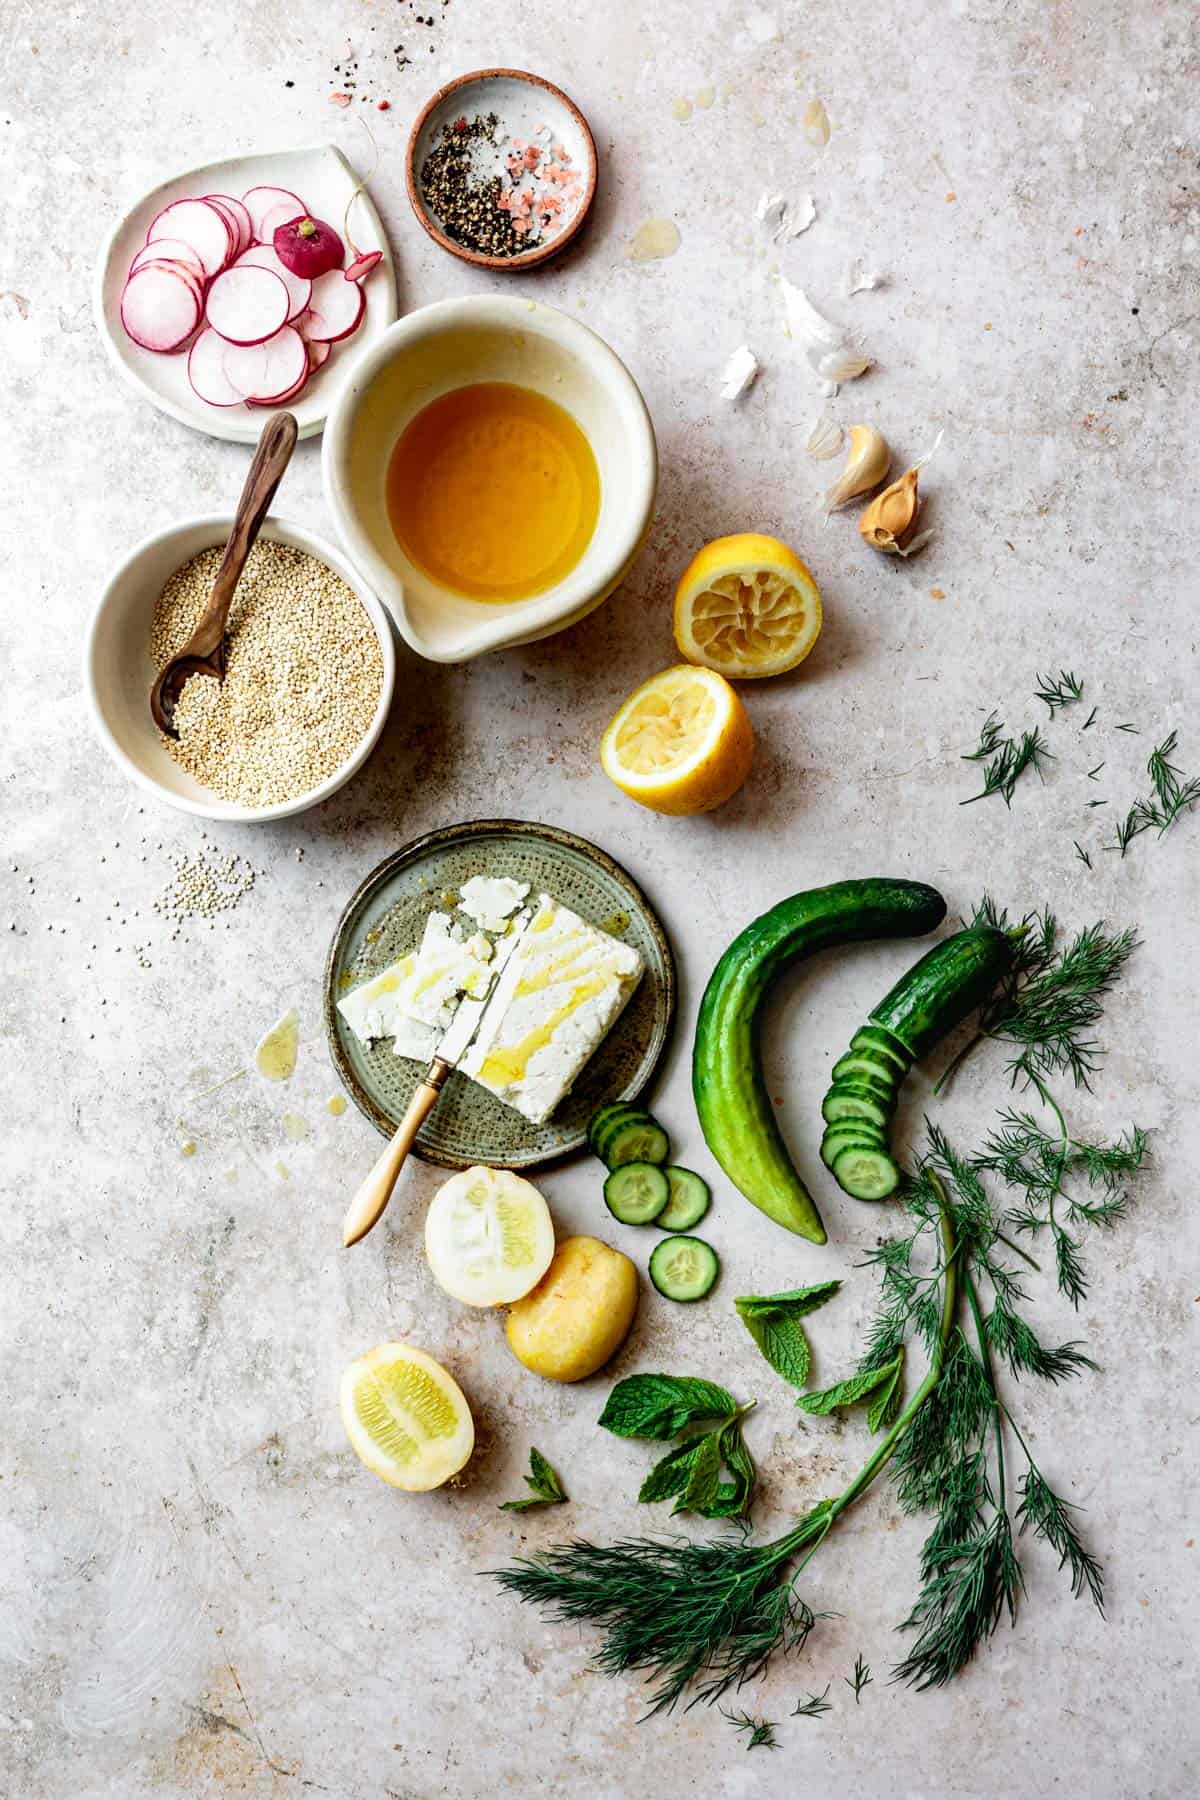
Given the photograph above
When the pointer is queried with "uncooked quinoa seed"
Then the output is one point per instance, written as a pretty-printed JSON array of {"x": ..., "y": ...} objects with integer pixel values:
[{"x": 302, "y": 678}]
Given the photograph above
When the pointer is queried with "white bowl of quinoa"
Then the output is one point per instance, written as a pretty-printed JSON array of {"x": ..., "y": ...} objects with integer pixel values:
[{"x": 310, "y": 672}]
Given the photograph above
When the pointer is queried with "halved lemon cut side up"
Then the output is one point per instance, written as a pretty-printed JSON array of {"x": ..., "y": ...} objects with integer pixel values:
[
  {"x": 747, "y": 607},
  {"x": 406, "y": 1417},
  {"x": 682, "y": 743},
  {"x": 489, "y": 1237}
]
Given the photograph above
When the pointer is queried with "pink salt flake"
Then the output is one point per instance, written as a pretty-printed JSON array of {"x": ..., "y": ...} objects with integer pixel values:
[
  {"x": 520, "y": 226},
  {"x": 533, "y": 157}
]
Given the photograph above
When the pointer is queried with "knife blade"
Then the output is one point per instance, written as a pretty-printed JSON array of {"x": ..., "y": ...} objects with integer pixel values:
[{"x": 461, "y": 1032}]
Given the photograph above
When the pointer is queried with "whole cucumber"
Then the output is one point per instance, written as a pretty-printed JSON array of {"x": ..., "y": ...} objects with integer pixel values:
[{"x": 736, "y": 1115}]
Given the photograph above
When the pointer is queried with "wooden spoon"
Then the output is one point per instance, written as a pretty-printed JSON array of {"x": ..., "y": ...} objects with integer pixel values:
[{"x": 204, "y": 652}]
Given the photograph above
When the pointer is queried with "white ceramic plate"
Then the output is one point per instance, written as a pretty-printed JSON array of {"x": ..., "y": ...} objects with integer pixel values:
[{"x": 325, "y": 181}]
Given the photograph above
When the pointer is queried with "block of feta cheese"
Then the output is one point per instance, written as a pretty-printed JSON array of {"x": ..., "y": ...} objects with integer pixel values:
[
  {"x": 558, "y": 998},
  {"x": 414, "y": 1000},
  {"x": 379, "y": 1009}
]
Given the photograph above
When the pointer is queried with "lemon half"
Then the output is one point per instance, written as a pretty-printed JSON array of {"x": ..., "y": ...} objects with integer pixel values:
[
  {"x": 747, "y": 606},
  {"x": 682, "y": 742},
  {"x": 406, "y": 1417}
]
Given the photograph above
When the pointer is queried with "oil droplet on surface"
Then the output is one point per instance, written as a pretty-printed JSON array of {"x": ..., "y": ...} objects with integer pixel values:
[
  {"x": 654, "y": 239},
  {"x": 275, "y": 1057},
  {"x": 188, "y": 1147},
  {"x": 295, "y": 1128},
  {"x": 705, "y": 97},
  {"x": 336, "y": 1104},
  {"x": 283, "y": 1172},
  {"x": 815, "y": 124},
  {"x": 616, "y": 923},
  {"x": 681, "y": 109},
  {"x": 231, "y": 1176}
]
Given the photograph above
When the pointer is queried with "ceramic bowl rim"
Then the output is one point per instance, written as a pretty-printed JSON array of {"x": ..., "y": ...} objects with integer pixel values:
[
  {"x": 528, "y": 259},
  {"x": 571, "y": 599},
  {"x": 281, "y": 529}
]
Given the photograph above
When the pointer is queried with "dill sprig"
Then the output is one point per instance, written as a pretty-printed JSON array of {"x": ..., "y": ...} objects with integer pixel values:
[
  {"x": 760, "y": 1732},
  {"x": 1060, "y": 692},
  {"x": 860, "y": 1679},
  {"x": 1008, "y": 759},
  {"x": 814, "y": 1706},
  {"x": 1173, "y": 796},
  {"x": 1053, "y": 996}
]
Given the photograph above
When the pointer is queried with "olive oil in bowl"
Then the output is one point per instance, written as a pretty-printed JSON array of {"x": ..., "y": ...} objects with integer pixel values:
[{"x": 493, "y": 492}]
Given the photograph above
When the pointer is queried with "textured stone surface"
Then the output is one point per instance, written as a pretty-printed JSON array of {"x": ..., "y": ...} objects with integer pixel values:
[{"x": 201, "y": 1591}]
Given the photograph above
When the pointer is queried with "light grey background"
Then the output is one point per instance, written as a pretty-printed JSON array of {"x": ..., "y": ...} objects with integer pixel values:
[{"x": 201, "y": 1590}]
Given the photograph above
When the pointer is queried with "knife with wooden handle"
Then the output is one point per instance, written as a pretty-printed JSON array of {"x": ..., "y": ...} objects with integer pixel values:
[{"x": 369, "y": 1203}]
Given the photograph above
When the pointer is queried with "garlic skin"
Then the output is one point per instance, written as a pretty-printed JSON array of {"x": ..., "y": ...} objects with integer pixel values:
[
  {"x": 867, "y": 464},
  {"x": 861, "y": 280},
  {"x": 832, "y": 356},
  {"x": 783, "y": 218},
  {"x": 888, "y": 523},
  {"x": 825, "y": 438}
]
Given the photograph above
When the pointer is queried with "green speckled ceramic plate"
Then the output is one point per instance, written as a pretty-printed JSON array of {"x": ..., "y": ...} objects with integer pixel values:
[{"x": 386, "y": 918}]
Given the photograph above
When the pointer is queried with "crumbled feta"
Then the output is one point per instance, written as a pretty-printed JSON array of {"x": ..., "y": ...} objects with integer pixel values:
[
  {"x": 445, "y": 970},
  {"x": 739, "y": 373},
  {"x": 489, "y": 901},
  {"x": 379, "y": 1009}
]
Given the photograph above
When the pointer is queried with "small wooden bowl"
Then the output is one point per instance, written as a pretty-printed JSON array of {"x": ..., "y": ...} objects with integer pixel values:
[{"x": 515, "y": 97}]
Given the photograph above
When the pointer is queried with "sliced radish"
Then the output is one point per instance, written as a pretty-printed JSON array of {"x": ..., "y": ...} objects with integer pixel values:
[
  {"x": 318, "y": 355},
  {"x": 160, "y": 307},
  {"x": 284, "y": 399},
  {"x": 247, "y": 305},
  {"x": 335, "y": 309},
  {"x": 185, "y": 270},
  {"x": 169, "y": 250},
  {"x": 262, "y": 200},
  {"x": 206, "y": 370},
  {"x": 283, "y": 214},
  {"x": 263, "y": 372},
  {"x": 362, "y": 265},
  {"x": 240, "y": 214},
  {"x": 211, "y": 235},
  {"x": 263, "y": 256}
]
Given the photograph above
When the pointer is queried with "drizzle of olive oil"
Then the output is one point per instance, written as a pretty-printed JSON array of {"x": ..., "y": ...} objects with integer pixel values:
[
  {"x": 493, "y": 491},
  {"x": 275, "y": 1057}
]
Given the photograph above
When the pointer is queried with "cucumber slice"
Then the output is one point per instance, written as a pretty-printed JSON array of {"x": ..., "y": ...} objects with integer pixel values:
[
  {"x": 636, "y": 1193},
  {"x": 859, "y": 1080},
  {"x": 851, "y": 1132},
  {"x": 683, "y": 1268},
  {"x": 690, "y": 1200},
  {"x": 865, "y": 1173},
  {"x": 861, "y": 1066},
  {"x": 602, "y": 1120},
  {"x": 876, "y": 1037},
  {"x": 635, "y": 1138},
  {"x": 840, "y": 1103}
]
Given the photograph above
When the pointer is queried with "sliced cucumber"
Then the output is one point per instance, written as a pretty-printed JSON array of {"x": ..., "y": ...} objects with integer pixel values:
[
  {"x": 683, "y": 1268},
  {"x": 600, "y": 1121},
  {"x": 690, "y": 1200},
  {"x": 865, "y": 1173},
  {"x": 869, "y": 1083},
  {"x": 635, "y": 1138},
  {"x": 840, "y": 1103},
  {"x": 859, "y": 1065},
  {"x": 874, "y": 1037},
  {"x": 851, "y": 1133},
  {"x": 636, "y": 1193}
]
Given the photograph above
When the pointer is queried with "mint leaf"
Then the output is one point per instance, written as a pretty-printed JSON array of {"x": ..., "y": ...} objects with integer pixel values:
[
  {"x": 704, "y": 1477},
  {"x": 547, "y": 1489},
  {"x": 849, "y": 1392},
  {"x": 773, "y": 1321},
  {"x": 884, "y": 1406},
  {"x": 796, "y": 1301},
  {"x": 661, "y": 1406},
  {"x": 671, "y": 1475},
  {"x": 734, "y": 1496}
]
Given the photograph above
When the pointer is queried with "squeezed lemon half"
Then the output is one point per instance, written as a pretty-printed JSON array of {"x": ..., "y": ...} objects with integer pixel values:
[
  {"x": 747, "y": 606},
  {"x": 406, "y": 1417},
  {"x": 682, "y": 743}
]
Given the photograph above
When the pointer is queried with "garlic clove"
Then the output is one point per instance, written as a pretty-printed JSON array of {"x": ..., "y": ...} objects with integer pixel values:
[
  {"x": 867, "y": 464},
  {"x": 825, "y": 438},
  {"x": 888, "y": 522}
]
